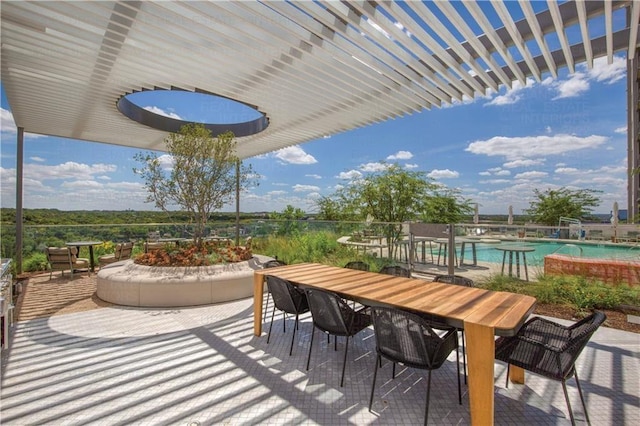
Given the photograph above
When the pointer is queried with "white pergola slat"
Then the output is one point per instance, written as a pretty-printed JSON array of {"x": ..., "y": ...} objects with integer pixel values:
[{"x": 313, "y": 68}]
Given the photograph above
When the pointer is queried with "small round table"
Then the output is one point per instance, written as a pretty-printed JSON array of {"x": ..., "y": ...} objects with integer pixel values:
[
  {"x": 515, "y": 249},
  {"x": 89, "y": 244}
]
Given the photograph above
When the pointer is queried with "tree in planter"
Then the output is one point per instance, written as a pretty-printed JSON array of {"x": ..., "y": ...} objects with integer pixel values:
[
  {"x": 201, "y": 178},
  {"x": 552, "y": 204}
]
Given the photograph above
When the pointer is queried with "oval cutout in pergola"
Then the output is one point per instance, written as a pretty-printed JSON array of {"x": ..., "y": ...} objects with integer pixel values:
[{"x": 160, "y": 109}]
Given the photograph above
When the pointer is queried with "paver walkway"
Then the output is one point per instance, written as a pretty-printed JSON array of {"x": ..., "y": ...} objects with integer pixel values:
[{"x": 202, "y": 365}]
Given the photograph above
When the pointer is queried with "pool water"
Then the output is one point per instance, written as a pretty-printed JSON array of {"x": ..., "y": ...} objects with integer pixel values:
[{"x": 488, "y": 252}]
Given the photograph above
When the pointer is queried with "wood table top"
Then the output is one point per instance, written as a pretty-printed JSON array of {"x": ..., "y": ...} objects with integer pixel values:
[{"x": 503, "y": 311}]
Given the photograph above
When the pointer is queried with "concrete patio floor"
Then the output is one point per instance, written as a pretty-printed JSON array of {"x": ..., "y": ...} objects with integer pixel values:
[{"x": 202, "y": 365}]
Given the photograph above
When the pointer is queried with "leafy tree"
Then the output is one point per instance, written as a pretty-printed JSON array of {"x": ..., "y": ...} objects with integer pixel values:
[
  {"x": 202, "y": 177},
  {"x": 393, "y": 195},
  {"x": 289, "y": 218},
  {"x": 552, "y": 204}
]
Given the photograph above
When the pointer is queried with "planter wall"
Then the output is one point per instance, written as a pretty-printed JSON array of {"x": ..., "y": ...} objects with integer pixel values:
[
  {"x": 607, "y": 270},
  {"x": 129, "y": 284}
]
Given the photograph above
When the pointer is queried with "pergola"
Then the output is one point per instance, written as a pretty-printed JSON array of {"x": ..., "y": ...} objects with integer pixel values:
[{"x": 312, "y": 68}]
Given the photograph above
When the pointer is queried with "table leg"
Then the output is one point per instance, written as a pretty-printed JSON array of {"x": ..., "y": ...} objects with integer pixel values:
[
  {"x": 480, "y": 346},
  {"x": 475, "y": 254},
  {"x": 504, "y": 258},
  {"x": 524, "y": 260},
  {"x": 462, "y": 253},
  {"x": 258, "y": 294},
  {"x": 91, "y": 261},
  {"x": 516, "y": 374},
  {"x": 510, "y": 263},
  {"x": 518, "y": 264}
]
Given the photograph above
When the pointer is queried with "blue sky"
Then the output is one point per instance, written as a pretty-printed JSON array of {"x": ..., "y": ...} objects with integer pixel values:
[{"x": 569, "y": 131}]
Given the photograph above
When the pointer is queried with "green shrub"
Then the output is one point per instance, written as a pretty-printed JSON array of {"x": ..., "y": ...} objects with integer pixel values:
[{"x": 35, "y": 262}]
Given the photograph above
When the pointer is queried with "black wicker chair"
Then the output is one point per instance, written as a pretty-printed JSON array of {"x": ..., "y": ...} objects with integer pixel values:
[
  {"x": 357, "y": 264},
  {"x": 550, "y": 349},
  {"x": 332, "y": 315},
  {"x": 440, "y": 323},
  {"x": 396, "y": 270},
  {"x": 288, "y": 299},
  {"x": 270, "y": 264},
  {"x": 405, "y": 337}
]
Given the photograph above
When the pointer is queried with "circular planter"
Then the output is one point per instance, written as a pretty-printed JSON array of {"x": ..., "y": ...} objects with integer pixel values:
[{"x": 129, "y": 284}]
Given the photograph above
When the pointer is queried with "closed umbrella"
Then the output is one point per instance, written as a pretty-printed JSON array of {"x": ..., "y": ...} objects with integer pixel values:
[
  {"x": 510, "y": 220},
  {"x": 614, "y": 220},
  {"x": 476, "y": 217}
]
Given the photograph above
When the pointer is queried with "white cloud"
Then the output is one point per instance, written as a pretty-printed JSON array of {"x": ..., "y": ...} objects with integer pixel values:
[
  {"x": 350, "y": 175},
  {"x": 523, "y": 163},
  {"x": 305, "y": 188},
  {"x": 443, "y": 174},
  {"x": 576, "y": 85},
  {"x": 160, "y": 111},
  {"x": 622, "y": 129},
  {"x": 566, "y": 170},
  {"x": 547, "y": 129},
  {"x": 37, "y": 159},
  {"x": 314, "y": 176},
  {"x": 411, "y": 166},
  {"x": 373, "y": 167},
  {"x": 495, "y": 171},
  {"x": 579, "y": 82},
  {"x": 295, "y": 155},
  {"x": 518, "y": 148},
  {"x": 531, "y": 175},
  {"x": 68, "y": 170},
  {"x": 609, "y": 74},
  {"x": 512, "y": 95},
  {"x": 277, "y": 192},
  {"x": 400, "y": 155}
]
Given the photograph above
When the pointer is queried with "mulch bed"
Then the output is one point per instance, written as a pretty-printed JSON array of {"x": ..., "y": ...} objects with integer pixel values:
[
  {"x": 41, "y": 297},
  {"x": 615, "y": 319}
]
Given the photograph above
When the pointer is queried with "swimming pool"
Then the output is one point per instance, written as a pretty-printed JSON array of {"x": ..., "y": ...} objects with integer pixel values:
[{"x": 488, "y": 253}]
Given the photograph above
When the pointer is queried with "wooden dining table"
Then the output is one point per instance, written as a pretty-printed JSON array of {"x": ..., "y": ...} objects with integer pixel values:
[{"x": 482, "y": 313}]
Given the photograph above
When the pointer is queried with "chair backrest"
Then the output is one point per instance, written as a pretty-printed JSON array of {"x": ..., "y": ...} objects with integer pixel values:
[
  {"x": 286, "y": 296},
  {"x": 396, "y": 270},
  {"x": 124, "y": 251},
  {"x": 150, "y": 246},
  {"x": 247, "y": 243},
  {"x": 357, "y": 264},
  {"x": 579, "y": 335},
  {"x": 59, "y": 258},
  {"x": 404, "y": 337},
  {"x": 273, "y": 264},
  {"x": 454, "y": 279},
  {"x": 329, "y": 312}
]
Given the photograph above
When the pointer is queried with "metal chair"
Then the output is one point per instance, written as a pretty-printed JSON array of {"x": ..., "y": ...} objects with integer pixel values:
[
  {"x": 332, "y": 315},
  {"x": 288, "y": 299},
  {"x": 357, "y": 264},
  {"x": 550, "y": 350},
  {"x": 270, "y": 264},
  {"x": 440, "y": 324},
  {"x": 397, "y": 270},
  {"x": 404, "y": 337}
]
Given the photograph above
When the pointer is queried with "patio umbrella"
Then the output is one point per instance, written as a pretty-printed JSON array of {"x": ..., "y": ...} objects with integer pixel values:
[
  {"x": 476, "y": 218},
  {"x": 510, "y": 220}
]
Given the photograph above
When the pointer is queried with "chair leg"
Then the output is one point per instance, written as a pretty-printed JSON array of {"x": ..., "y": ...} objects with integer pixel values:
[
  {"x": 266, "y": 306},
  {"x": 464, "y": 357},
  {"x": 344, "y": 361},
  {"x": 271, "y": 326},
  {"x": 584, "y": 406},
  {"x": 426, "y": 410},
  {"x": 375, "y": 374},
  {"x": 293, "y": 335},
  {"x": 313, "y": 332},
  {"x": 566, "y": 396},
  {"x": 506, "y": 384},
  {"x": 393, "y": 371},
  {"x": 458, "y": 376}
]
